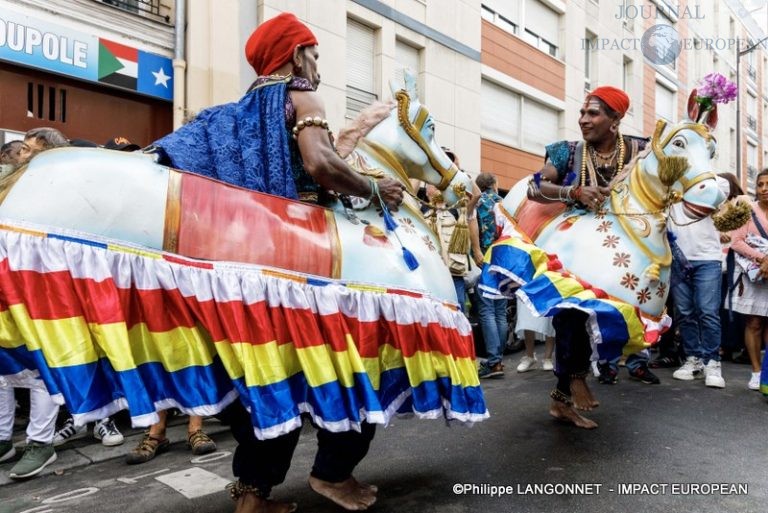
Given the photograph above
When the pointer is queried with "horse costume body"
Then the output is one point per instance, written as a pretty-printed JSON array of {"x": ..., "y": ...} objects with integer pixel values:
[
  {"x": 613, "y": 264},
  {"x": 128, "y": 284}
]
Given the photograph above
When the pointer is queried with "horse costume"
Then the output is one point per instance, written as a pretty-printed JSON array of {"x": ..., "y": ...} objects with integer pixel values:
[{"x": 127, "y": 284}]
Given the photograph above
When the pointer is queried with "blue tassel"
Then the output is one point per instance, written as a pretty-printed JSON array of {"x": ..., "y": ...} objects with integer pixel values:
[
  {"x": 537, "y": 179},
  {"x": 389, "y": 221},
  {"x": 569, "y": 178},
  {"x": 410, "y": 259},
  {"x": 391, "y": 225}
]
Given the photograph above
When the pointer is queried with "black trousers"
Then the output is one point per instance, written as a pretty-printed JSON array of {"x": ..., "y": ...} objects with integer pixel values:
[
  {"x": 264, "y": 463},
  {"x": 572, "y": 347}
]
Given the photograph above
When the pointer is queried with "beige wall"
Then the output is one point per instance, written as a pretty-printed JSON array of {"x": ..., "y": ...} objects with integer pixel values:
[{"x": 449, "y": 81}]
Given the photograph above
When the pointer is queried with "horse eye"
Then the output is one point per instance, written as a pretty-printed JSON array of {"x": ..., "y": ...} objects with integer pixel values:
[{"x": 679, "y": 143}]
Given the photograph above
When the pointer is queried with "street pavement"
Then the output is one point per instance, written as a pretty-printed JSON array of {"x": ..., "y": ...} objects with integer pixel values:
[{"x": 689, "y": 445}]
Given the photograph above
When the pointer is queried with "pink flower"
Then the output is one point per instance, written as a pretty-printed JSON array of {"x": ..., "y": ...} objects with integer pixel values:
[{"x": 715, "y": 88}]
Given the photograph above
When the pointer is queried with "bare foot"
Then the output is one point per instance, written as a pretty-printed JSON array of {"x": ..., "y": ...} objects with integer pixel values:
[
  {"x": 348, "y": 494},
  {"x": 567, "y": 413},
  {"x": 582, "y": 396},
  {"x": 252, "y": 503}
]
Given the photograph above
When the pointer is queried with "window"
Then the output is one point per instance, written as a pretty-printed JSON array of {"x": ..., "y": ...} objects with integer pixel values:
[
  {"x": 502, "y": 112},
  {"x": 752, "y": 112},
  {"x": 148, "y": 8},
  {"x": 541, "y": 125},
  {"x": 406, "y": 57},
  {"x": 664, "y": 19},
  {"x": 665, "y": 103},
  {"x": 590, "y": 62},
  {"x": 46, "y": 102},
  {"x": 626, "y": 79},
  {"x": 542, "y": 25},
  {"x": 502, "y": 13},
  {"x": 360, "y": 69},
  {"x": 732, "y": 147},
  {"x": 629, "y": 21},
  {"x": 751, "y": 162}
]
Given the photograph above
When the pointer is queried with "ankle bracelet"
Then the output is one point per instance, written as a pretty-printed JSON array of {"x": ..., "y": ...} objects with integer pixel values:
[
  {"x": 560, "y": 397},
  {"x": 237, "y": 489},
  {"x": 579, "y": 375}
]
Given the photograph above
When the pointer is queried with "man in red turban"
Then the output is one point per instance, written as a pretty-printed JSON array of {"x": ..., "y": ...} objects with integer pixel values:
[
  {"x": 296, "y": 164},
  {"x": 273, "y": 43},
  {"x": 579, "y": 173}
]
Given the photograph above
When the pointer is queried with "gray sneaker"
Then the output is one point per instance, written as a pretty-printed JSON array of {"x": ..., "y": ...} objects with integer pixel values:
[
  {"x": 36, "y": 457},
  {"x": 7, "y": 451}
]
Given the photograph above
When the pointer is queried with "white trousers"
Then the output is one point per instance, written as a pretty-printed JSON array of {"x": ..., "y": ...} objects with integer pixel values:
[{"x": 42, "y": 415}]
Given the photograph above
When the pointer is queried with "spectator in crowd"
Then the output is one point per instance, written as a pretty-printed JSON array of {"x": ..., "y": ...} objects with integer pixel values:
[
  {"x": 750, "y": 298},
  {"x": 530, "y": 328},
  {"x": 696, "y": 281},
  {"x": 492, "y": 312}
]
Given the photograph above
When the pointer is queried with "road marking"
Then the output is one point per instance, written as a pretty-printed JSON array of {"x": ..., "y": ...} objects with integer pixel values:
[
  {"x": 207, "y": 458},
  {"x": 135, "y": 479},
  {"x": 71, "y": 495},
  {"x": 38, "y": 509},
  {"x": 194, "y": 482}
]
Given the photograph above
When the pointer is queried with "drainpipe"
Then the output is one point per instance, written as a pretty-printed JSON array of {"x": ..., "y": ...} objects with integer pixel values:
[{"x": 179, "y": 66}]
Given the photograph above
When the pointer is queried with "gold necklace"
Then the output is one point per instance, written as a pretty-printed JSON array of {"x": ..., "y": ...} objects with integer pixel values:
[{"x": 619, "y": 164}]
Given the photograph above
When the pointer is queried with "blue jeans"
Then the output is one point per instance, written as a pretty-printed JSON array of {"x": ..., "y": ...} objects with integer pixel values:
[
  {"x": 493, "y": 321},
  {"x": 461, "y": 293},
  {"x": 697, "y": 308}
]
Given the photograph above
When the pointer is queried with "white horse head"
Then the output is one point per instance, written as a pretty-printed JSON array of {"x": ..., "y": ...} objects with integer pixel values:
[{"x": 406, "y": 142}]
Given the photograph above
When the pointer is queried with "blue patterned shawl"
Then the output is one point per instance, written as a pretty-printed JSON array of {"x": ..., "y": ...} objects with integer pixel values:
[{"x": 244, "y": 143}]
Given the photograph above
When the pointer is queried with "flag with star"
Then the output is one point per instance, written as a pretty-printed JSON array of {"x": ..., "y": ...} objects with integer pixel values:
[
  {"x": 155, "y": 75},
  {"x": 118, "y": 64}
]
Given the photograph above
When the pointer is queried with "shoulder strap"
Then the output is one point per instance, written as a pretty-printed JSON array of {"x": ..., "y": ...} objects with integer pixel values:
[{"x": 759, "y": 226}]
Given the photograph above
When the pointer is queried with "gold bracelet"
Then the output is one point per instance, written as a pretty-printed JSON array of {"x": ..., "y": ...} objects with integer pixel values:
[{"x": 310, "y": 121}]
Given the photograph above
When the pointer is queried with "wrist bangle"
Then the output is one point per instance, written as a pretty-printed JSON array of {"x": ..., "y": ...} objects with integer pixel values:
[{"x": 374, "y": 188}]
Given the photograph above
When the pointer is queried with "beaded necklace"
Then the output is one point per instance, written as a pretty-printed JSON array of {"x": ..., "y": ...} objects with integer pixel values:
[{"x": 619, "y": 164}]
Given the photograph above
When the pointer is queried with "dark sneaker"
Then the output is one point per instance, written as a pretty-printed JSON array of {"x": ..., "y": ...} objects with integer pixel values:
[
  {"x": 7, "y": 450},
  {"x": 148, "y": 448},
  {"x": 608, "y": 374},
  {"x": 36, "y": 457},
  {"x": 491, "y": 372},
  {"x": 664, "y": 362},
  {"x": 200, "y": 443},
  {"x": 643, "y": 374}
]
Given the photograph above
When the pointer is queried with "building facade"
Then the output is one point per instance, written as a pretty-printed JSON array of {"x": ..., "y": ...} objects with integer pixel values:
[
  {"x": 92, "y": 69},
  {"x": 502, "y": 78}
]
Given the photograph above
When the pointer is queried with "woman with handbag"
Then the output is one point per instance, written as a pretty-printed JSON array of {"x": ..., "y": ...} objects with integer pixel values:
[{"x": 751, "y": 297}]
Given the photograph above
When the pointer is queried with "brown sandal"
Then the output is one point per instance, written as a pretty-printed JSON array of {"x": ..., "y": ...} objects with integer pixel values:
[
  {"x": 200, "y": 443},
  {"x": 148, "y": 448}
]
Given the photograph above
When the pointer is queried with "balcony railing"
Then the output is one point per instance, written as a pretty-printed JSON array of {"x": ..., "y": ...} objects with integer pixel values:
[
  {"x": 752, "y": 73},
  {"x": 752, "y": 123},
  {"x": 147, "y": 8}
]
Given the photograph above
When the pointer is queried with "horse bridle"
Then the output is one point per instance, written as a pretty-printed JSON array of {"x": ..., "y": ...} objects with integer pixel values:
[{"x": 413, "y": 130}]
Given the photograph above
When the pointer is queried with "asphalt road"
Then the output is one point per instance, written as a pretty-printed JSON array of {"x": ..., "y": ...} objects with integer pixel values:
[{"x": 678, "y": 438}]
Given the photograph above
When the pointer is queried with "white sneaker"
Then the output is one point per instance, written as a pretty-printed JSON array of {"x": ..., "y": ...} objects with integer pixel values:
[
  {"x": 713, "y": 375},
  {"x": 691, "y": 369},
  {"x": 527, "y": 363},
  {"x": 595, "y": 368},
  {"x": 547, "y": 365},
  {"x": 106, "y": 431},
  {"x": 68, "y": 432},
  {"x": 754, "y": 381}
]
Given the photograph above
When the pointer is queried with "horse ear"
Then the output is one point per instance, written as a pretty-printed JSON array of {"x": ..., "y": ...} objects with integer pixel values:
[
  {"x": 693, "y": 107},
  {"x": 394, "y": 87},
  {"x": 711, "y": 118},
  {"x": 411, "y": 84}
]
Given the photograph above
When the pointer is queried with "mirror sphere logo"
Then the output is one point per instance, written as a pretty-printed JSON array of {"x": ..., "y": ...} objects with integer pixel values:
[{"x": 661, "y": 44}]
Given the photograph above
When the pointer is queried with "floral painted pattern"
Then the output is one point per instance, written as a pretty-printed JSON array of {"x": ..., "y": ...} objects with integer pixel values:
[
  {"x": 630, "y": 281},
  {"x": 428, "y": 242},
  {"x": 643, "y": 296},
  {"x": 661, "y": 290},
  {"x": 605, "y": 226},
  {"x": 611, "y": 241},
  {"x": 621, "y": 259},
  {"x": 407, "y": 225}
]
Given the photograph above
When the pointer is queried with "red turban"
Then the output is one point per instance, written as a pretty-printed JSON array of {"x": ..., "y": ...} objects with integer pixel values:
[
  {"x": 614, "y": 97},
  {"x": 272, "y": 43}
]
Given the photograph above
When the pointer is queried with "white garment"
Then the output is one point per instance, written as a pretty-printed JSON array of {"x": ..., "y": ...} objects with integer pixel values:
[
  {"x": 526, "y": 321},
  {"x": 42, "y": 415},
  {"x": 699, "y": 240}
]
